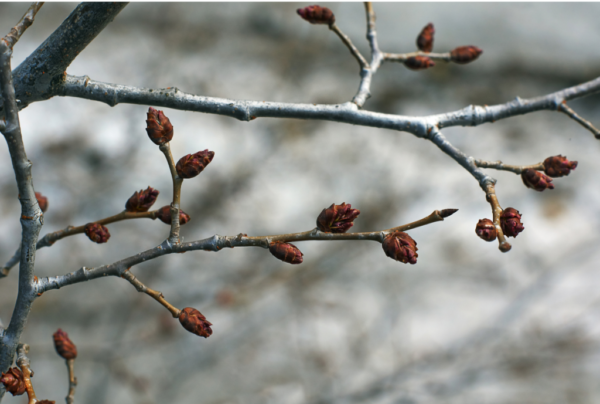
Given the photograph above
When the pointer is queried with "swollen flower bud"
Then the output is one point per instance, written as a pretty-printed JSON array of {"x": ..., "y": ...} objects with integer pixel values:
[
  {"x": 317, "y": 15},
  {"x": 142, "y": 201},
  {"x": 486, "y": 230},
  {"x": 195, "y": 322},
  {"x": 337, "y": 218},
  {"x": 425, "y": 38},
  {"x": 510, "y": 222},
  {"x": 193, "y": 164},
  {"x": 164, "y": 214},
  {"x": 158, "y": 127},
  {"x": 42, "y": 201},
  {"x": 558, "y": 166},
  {"x": 97, "y": 233},
  {"x": 418, "y": 62},
  {"x": 400, "y": 247},
  {"x": 286, "y": 252},
  {"x": 64, "y": 346},
  {"x": 465, "y": 54},
  {"x": 536, "y": 180},
  {"x": 13, "y": 381}
]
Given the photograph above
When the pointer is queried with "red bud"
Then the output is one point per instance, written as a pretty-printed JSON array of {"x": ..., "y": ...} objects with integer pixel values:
[
  {"x": 42, "y": 201},
  {"x": 286, "y": 252},
  {"x": 425, "y": 38},
  {"x": 536, "y": 180},
  {"x": 195, "y": 322},
  {"x": 142, "y": 201},
  {"x": 317, "y": 15},
  {"x": 337, "y": 218},
  {"x": 465, "y": 54},
  {"x": 64, "y": 346},
  {"x": 510, "y": 222},
  {"x": 158, "y": 127},
  {"x": 193, "y": 164},
  {"x": 400, "y": 247},
  {"x": 13, "y": 381},
  {"x": 486, "y": 230},
  {"x": 418, "y": 62},
  {"x": 164, "y": 214},
  {"x": 558, "y": 166},
  {"x": 97, "y": 233}
]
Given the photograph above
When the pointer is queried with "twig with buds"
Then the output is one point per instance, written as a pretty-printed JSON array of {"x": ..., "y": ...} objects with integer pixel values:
[
  {"x": 177, "y": 183},
  {"x": 498, "y": 165},
  {"x": 67, "y": 350},
  {"x": 563, "y": 107},
  {"x": 490, "y": 195},
  {"x": 24, "y": 365},
  {"x": 156, "y": 295},
  {"x": 26, "y": 21}
]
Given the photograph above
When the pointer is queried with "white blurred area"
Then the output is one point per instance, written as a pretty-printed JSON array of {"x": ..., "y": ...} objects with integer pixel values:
[{"x": 466, "y": 324}]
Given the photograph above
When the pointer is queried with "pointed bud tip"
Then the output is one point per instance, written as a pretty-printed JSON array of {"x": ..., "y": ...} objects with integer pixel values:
[{"x": 447, "y": 212}]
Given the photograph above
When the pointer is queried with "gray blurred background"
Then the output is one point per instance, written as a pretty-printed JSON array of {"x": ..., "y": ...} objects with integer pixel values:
[{"x": 466, "y": 324}]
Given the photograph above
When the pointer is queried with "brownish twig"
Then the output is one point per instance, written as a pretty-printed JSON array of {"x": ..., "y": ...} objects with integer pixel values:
[
  {"x": 23, "y": 364},
  {"x": 156, "y": 295},
  {"x": 346, "y": 40},
  {"x": 490, "y": 196},
  {"x": 15, "y": 33},
  {"x": 563, "y": 107},
  {"x": 70, "y": 399},
  {"x": 498, "y": 165},
  {"x": 177, "y": 182},
  {"x": 401, "y": 57}
]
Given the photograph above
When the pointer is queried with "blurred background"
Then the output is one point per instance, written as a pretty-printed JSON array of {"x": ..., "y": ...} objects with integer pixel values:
[{"x": 466, "y": 324}]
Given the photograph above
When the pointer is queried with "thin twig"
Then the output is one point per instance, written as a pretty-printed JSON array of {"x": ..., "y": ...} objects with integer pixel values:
[
  {"x": 23, "y": 364},
  {"x": 401, "y": 57},
  {"x": 156, "y": 295},
  {"x": 346, "y": 40},
  {"x": 498, "y": 165},
  {"x": 563, "y": 107},
  {"x": 490, "y": 196},
  {"x": 26, "y": 21},
  {"x": 376, "y": 54},
  {"x": 70, "y": 398},
  {"x": 177, "y": 182}
]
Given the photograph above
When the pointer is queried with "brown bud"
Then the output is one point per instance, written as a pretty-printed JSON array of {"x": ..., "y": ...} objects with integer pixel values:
[
  {"x": 337, "y": 218},
  {"x": 286, "y": 252},
  {"x": 142, "y": 201},
  {"x": 97, "y": 233},
  {"x": 486, "y": 230},
  {"x": 400, "y": 247},
  {"x": 13, "y": 381},
  {"x": 42, "y": 201},
  {"x": 193, "y": 164},
  {"x": 447, "y": 212},
  {"x": 418, "y": 62},
  {"x": 558, "y": 166},
  {"x": 195, "y": 322},
  {"x": 465, "y": 54},
  {"x": 510, "y": 222},
  {"x": 64, "y": 346},
  {"x": 425, "y": 38},
  {"x": 536, "y": 180},
  {"x": 164, "y": 214},
  {"x": 158, "y": 127},
  {"x": 317, "y": 15}
]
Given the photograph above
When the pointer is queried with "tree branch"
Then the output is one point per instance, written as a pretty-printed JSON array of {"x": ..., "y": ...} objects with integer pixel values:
[
  {"x": 563, "y": 107},
  {"x": 177, "y": 182},
  {"x": 156, "y": 295},
  {"x": 70, "y": 399},
  {"x": 490, "y": 195},
  {"x": 498, "y": 165},
  {"x": 23, "y": 364},
  {"x": 15, "y": 34}
]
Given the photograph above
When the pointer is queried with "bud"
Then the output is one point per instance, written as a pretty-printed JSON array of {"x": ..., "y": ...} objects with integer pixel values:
[
  {"x": 13, "y": 381},
  {"x": 425, "y": 38},
  {"x": 486, "y": 230},
  {"x": 558, "y": 166},
  {"x": 193, "y": 164},
  {"x": 536, "y": 180},
  {"x": 337, "y": 218},
  {"x": 465, "y": 54},
  {"x": 42, "y": 201},
  {"x": 510, "y": 222},
  {"x": 400, "y": 247},
  {"x": 97, "y": 233},
  {"x": 164, "y": 214},
  {"x": 447, "y": 212},
  {"x": 418, "y": 62},
  {"x": 286, "y": 252},
  {"x": 142, "y": 201},
  {"x": 195, "y": 322},
  {"x": 317, "y": 15},
  {"x": 65, "y": 348},
  {"x": 158, "y": 127}
]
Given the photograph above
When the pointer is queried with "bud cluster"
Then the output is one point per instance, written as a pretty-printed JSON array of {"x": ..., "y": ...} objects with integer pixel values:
[
  {"x": 13, "y": 381},
  {"x": 510, "y": 222},
  {"x": 337, "y": 218},
  {"x": 158, "y": 127},
  {"x": 142, "y": 201},
  {"x": 486, "y": 230},
  {"x": 317, "y": 15},
  {"x": 400, "y": 247},
  {"x": 65, "y": 348},
  {"x": 558, "y": 166},
  {"x": 193, "y": 164},
  {"x": 195, "y": 322},
  {"x": 97, "y": 232},
  {"x": 536, "y": 180}
]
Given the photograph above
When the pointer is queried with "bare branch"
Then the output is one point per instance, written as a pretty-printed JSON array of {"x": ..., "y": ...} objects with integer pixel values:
[
  {"x": 376, "y": 55},
  {"x": 490, "y": 195},
  {"x": 70, "y": 399},
  {"x": 401, "y": 57},
  {"x": 23, "y": 364},
  {"x": 498, "y": 165},
  {"x": 26, "y": 21},
  {"x": 177, "y": 182},
  {"x": 563, "y": 107},
  {"x": 156, "y": 295},
  {"x": 348, "y": 42}
]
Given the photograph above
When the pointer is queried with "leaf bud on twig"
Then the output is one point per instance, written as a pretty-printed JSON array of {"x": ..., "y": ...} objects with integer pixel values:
[
  {"x": 465, "y": 54},
  {"x": 13, "y": 381},
  {"x": 447, "y": 212},
  {"x": 97, "y": 233},
  {"x": 158, "y": 127},
  {"x": 142, "y": 201},
  {"x": 337, "y": 218},
  {"x": 536, "y": 180},
  {"x": 193, "y": 164},
  {"x": 510, "y": 222},
  {"x": 418, "y": 62},
  {"x": 195, "y": 322},
  {"x": 400, "y": 247},
  {"x": 42, "y": 201},
  {"x": 286, "y": 252},
  {"x": 425, "y": 38},
  {"x": 65, "y": 348},
  {"x": 164, "y": 214},
  {"x": 486, "y": 230},
  {"x": 317, "y": 15},
  {"x": 558, "y": 166}
]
